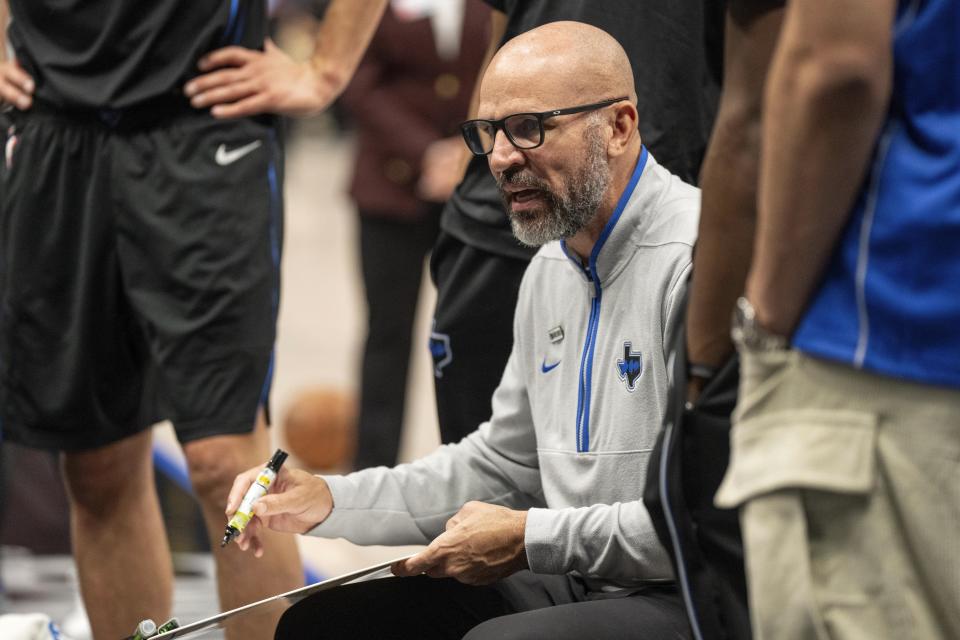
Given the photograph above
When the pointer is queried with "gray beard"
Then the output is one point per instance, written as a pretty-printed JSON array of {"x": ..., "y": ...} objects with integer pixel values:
[{"x": 565, "y": 213}]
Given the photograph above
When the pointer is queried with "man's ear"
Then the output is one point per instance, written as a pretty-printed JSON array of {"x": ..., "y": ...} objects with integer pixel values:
[{"x": 624, "y": 127}]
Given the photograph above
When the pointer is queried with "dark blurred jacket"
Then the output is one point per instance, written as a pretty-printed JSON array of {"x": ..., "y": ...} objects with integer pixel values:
[{"x": 403, "y": 97}]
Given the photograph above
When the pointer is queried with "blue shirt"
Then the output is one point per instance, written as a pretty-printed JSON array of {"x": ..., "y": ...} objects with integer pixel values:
[{"x": 890, "y": 299}]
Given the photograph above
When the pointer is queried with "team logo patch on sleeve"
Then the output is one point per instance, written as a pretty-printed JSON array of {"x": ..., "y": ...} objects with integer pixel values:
[
  {"x": 630, "y": 367},
  {"x": 556, "y": 335},
  {"x": 440, "y": 351}
]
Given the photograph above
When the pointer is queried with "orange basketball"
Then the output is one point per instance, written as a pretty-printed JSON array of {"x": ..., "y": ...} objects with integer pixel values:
[{"x": 320, "y": 428}]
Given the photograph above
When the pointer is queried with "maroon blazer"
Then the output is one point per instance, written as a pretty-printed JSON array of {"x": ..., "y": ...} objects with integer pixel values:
[{"x": 402, "y": 98}]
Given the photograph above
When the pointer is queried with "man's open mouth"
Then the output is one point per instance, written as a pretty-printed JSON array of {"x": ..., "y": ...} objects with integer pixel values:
[{"x": 525, "y": 195}]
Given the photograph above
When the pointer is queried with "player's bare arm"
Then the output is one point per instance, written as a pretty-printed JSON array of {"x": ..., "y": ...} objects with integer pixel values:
[
  {"x": 729, "y": 182},
  {"x": 238, "y": 82},
  {"x": 829, "y": 88}
]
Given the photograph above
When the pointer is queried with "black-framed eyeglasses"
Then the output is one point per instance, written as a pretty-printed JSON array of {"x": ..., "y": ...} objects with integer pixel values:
[{"x": 524, "y": 130}]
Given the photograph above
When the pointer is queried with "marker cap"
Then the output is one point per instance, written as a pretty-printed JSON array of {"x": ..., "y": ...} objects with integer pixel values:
[
  {"x": 277, "y": 460},
  {"x": 145, "y": 629}
]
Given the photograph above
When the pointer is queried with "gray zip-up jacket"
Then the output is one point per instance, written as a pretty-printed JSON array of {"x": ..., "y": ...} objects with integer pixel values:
[{"x": 577, "y": 411}]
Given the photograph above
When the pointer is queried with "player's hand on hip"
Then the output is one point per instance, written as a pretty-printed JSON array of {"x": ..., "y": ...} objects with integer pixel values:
[
  {"x": 240, "y": 82},
  {"x": 16, "y": 85},
  {"x": 297, "y": 502},
  {"x": 482, "y": 544}
]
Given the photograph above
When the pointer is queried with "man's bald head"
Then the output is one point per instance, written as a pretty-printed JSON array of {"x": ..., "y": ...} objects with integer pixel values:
[
  {"x": 567, "y": 185},
  {"x": 559, "y": 64}
]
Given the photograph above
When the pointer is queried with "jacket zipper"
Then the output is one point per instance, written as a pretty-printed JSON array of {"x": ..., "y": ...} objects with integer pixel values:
[
  {"x": 586, "y": 371},
  {"x": 586, "y": 359}
]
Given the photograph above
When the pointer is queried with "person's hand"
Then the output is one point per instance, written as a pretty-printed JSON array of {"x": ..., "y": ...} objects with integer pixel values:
[
  {"x": 297, "y": 502},
  {"x": 16, "y": 86},
  {"x": 482, "y": 544},
  {"x": 242, "y": 82},
  {"x": 441, "y": 169}
]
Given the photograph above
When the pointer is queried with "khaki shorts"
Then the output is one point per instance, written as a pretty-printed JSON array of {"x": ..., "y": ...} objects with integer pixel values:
[{"x": 849, "y": 488}]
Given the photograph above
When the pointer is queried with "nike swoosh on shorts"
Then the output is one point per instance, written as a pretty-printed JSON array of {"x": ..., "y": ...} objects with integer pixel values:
[{"x": 224, "y": 157}]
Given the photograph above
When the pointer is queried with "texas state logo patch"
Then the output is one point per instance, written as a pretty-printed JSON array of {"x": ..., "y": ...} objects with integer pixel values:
[
  {"x": 440, "y": 351},
  {"x": 630, "y": 367}
]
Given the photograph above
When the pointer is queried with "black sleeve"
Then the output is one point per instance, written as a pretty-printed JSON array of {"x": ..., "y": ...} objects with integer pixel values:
[
  {"x": 499, "y": 5},
  {"x": 713, "y": 30}
]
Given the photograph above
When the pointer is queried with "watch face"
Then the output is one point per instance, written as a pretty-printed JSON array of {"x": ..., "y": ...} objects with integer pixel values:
[
  {"x": 741, "y": 319},
  {"x": 747, "y": 333}
]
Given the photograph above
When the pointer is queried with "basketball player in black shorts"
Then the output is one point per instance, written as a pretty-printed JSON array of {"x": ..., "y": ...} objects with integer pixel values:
[{"x": 140, "y": 243}]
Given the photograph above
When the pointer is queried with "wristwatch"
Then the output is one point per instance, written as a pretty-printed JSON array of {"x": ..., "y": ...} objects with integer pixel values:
[{"x": 748, "y": 334}]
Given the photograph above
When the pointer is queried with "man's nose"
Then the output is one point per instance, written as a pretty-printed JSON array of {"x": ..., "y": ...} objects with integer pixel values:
[{"x": 504, "y": 154}]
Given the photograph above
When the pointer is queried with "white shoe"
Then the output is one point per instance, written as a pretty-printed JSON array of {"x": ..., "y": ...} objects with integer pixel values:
[
  {"x": 29, "y": 626},
  {"x": 75, "y": 624}
]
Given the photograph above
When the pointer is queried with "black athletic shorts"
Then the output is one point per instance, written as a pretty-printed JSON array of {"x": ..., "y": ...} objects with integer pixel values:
[{"x": 139, "y": 273}]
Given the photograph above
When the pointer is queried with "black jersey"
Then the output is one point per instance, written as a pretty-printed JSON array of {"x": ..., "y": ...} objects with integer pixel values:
[
  {"x": 113, "y": 54},
  {"x": 677, "y": 86}
]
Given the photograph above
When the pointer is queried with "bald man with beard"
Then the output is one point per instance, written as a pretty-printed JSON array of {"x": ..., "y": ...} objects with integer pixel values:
[{"x": 534, "y": 522}]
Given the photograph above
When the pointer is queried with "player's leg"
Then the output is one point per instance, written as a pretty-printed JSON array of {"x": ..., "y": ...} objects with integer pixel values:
[
  {"x": 200, "y": 247},
  {"x": 119, "y": 542},
  {"x": 72, "y": 358},
  {"x": 214, "y": 462}
]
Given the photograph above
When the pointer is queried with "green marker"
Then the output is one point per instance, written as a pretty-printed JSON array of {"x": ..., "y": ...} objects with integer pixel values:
[
  {"x": 256, "y": 491},
  {"x": 146, "y": 629},
  {"x": 169, "y": 625}
]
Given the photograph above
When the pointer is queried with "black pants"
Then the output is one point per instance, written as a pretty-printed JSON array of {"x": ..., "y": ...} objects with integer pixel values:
[
  {"x": 391, "y": 258},
  {"x": 473, "y": 330},
  {"x": 686, "y": 468},
  {"x": 523, "y": 606}
]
